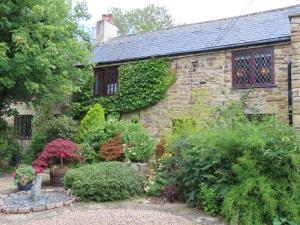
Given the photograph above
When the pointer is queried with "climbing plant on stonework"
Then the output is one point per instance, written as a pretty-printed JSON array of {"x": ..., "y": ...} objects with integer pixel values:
[{"x": 141, "y": 84}]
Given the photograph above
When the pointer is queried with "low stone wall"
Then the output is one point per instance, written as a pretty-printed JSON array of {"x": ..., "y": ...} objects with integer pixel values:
[{"x": 24, "y": 210}]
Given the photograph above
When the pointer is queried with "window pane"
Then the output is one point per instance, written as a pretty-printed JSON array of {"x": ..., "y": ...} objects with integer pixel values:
[
  {"x": 242, "y": 65},
  {"x": 263, "y": 67},
  {"x": 22, "y": 126}
]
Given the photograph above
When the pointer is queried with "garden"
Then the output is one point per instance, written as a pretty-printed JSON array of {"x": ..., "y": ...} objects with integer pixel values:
[{"x": 225, "y": 164}]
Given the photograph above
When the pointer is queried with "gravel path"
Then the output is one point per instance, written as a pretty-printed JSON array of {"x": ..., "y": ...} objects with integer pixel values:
[{"x": 114, "y": 217}]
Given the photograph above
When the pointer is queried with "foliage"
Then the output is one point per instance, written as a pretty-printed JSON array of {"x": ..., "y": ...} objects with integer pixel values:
[
  {"x": 113, "y": 149},
  {"x": 46, "y": 128},
  {"x": 172, "y": 193},
  {"x": 160, "y": 149},
  {"x": 282, "y": 221},
  {"x": 9, "y": 147},
  {"x": 99, "y": 135},
  {"x": 209, "y": 199},
  {"x": 247, "y": 169},
  {"x": 94, "y": 116},
  {"x": 106, "y": 181},
  {"x": 40, "y": 42},
  {"x": 24, "y": 174},
  {"x": 163, "y": 176},
  {"x": 149, "y": 18},
  {"x": 141, "y": 84},
  {"x": 59, "y": 150},
  {"x": 82, "y": 99},
  {"x": 88, "y": 154},
  {"x": 139, "y": 145}
]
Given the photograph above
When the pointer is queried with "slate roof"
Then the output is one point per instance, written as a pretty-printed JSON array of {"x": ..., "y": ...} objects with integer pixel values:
[{"x": 263, "y": 27}]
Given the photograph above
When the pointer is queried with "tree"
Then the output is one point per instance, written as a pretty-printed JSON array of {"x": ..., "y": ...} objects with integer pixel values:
[
  {"x": 41, "y": 42},
  {"x": 134, "y": 21}
]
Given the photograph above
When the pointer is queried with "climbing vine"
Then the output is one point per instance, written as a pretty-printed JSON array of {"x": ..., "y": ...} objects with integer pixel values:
[{"x": 141, "y": 84}]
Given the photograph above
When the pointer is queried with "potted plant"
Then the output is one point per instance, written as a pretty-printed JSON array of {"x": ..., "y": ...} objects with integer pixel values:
[
  {"x": 24, "y": 177},
  {"x": 56, "y": 156}
]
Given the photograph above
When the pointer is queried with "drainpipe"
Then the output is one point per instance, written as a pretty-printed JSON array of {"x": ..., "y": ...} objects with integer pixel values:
[{"x": 290, "y": 94}]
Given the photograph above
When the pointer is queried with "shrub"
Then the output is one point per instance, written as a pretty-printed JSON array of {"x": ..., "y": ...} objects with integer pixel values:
[
  {"x": 106, "y": 181},
  {"x": 160, "y": 149},
  {"x": 172, "y": 193},
  {"x": 139, "y": 145},
  {"x": 59, "y": 151},
  {"x": 46, "y": 128},
  {"x": 113, "y": 149},
  {"x": 93, "y": 118},
  {"x": 88, "y": 154},
  {"x": 208, "y": 199},
  {"x": 9, "y": 147},
  {"x": 100, "y": 134},
  {"x": 248, "y": 170},
  {"x": 163, "y": 176}
]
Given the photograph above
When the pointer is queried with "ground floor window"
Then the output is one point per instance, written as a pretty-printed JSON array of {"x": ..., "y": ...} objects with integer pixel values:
[{"x": 23, "y": 126}]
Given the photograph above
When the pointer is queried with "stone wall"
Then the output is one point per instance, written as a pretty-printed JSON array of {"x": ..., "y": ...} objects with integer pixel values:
[
  {"x": 211, "y": 74},
  {"x": 295, "y": 56}
]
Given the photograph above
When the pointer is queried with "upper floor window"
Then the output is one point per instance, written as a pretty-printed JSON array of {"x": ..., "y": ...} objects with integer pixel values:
[
  {"x": 106, "y": 81},
  {"x": 23, "y": 127},
  {"x": 253, "y": 68}
]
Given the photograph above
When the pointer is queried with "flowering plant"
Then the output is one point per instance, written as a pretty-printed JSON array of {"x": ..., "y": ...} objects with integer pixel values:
[
  {"x": 57, "y": 151},
  {"x": 24, "y": 174}
]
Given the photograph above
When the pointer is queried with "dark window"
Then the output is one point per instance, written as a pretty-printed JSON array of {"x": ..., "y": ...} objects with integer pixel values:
[
  {"x": 253, "y": 68},
  {"x": 22, "y": 124},
  {"x": 106, "y": 81}
]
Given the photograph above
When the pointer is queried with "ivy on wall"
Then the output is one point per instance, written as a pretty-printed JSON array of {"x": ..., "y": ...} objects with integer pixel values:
[{"x": 141, "y": 84}]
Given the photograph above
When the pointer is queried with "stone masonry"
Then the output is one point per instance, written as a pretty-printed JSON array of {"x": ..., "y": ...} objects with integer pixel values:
[
  {"x": 211, "y": 74},
  {"x": 295, "y": 57}
]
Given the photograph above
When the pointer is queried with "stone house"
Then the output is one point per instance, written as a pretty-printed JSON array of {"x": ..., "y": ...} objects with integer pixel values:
[{"x": 258, "y": 52}]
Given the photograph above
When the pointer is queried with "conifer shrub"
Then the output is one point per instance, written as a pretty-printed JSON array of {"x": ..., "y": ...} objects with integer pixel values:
[
  {"x": 106, "y": 181},
  {"x": 93, "y": 118}
]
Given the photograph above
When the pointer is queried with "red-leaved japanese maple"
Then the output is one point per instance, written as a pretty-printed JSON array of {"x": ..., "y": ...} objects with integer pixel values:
[{"x": 57, "y": 151}]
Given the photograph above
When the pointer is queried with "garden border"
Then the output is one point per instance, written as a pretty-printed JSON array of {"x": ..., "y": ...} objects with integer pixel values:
[{"x": 25, "y": 210}]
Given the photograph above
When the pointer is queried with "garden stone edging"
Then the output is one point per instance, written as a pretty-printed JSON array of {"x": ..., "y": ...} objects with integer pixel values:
[{"x": 25, "y": 210}]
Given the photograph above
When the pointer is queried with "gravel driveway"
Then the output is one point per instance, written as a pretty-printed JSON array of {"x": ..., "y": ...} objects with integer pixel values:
[{"x": 114, "y": 217}]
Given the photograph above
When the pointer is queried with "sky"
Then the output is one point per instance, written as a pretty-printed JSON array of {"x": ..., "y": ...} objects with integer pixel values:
[{"x": 190, "y": 11}]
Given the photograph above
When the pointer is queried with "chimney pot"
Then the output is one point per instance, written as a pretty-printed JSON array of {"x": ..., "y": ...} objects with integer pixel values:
[
  {"x": 105, "y": 30},
  {"x": 108, "y": 18}
]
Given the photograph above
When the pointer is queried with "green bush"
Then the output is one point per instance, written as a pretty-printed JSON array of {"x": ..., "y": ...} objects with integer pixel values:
[
  {"x": 98, "y": 135},
  {"x": 88, "y": 154},
  {"x": 9, "y": 147},
  {"x": 106, "y": 181},
  {"x": 93, "y": 118},
  {"x": 46, "y": 128},
  {"x": 139, "y": 145},
  {"x": 248, "y": 170}
]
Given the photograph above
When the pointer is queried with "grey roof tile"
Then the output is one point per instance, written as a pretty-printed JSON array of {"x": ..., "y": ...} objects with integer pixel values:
[{"x": 262, "y": 27}]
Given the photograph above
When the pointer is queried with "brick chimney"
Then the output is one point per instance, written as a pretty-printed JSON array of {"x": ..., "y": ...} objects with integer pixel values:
[{"x": 105, "y": 30}]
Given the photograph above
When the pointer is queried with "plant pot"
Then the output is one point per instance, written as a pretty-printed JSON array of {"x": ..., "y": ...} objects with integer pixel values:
[
  {"x": 57, "y": 176},
  {"x": 26, "y": 187}
]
